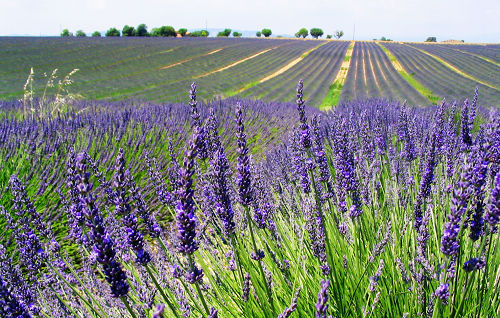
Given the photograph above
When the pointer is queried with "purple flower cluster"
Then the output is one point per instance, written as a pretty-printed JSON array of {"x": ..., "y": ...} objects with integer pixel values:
[
  {"x": 103, "y": 245},
  {"x": 244, "y": 175},
  {"x": 322, "y": 304}
]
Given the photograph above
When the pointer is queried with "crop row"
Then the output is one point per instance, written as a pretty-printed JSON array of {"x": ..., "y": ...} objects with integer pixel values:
[
  {"x": 472, "y": 65},
  {"x": 371, "y": 74},
  {"x": 318, "y": 70},
  {"x": 230, "y": 80},
  {"x": 115, "y": 66},
  {"x": 437, "y": 77},
  {"x": 490, "y": 51}
]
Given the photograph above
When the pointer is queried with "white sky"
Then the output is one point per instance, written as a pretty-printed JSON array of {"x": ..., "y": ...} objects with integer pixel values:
[{"x": 472, "y": 21}]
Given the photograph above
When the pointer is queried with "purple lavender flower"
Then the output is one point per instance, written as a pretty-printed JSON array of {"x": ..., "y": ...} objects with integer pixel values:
[
  {"x": 194, "y": 274},
  {"x": 201, "y": 146},
  {"x": 213, "y": 313},
  {"x": 466, "y": 137},
  {"x": 493, "y": 210},
  {"x": 305, "y": 135},
  {"x": 426, "y": 183},
  {"x": 103, "y": 245},
  {"x": 244, "y": 177},
  {"x": 159, "y": 312},
  {"x": 322, "y": 304},
  {"x": 10, "y": 306},
  {"x": 121, "y": 185},
  {"x": 449, "y": 240},
  {"x": 223, "y": 206},
  {"x": 186, "y": 219},
  {"x": 409, "y": 153},
  {"x": 293, "y": 306},
  {"x": 375, "y": 278},
  {"x": 474, "y": 263},
  {"x": 246, "y": 287},
  {"x": 443, "y": 293}
]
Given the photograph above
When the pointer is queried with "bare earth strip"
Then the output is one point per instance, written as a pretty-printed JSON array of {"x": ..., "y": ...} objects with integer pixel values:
[
  {"x": 290, "y": 65},
  {"x": 453, "y": 68},
  {"x": 344, "y": 68},
  {"x": 237, "y": 62},
  {"x": 333, "y": 95},
  {"x": 190, "y": 59},
  {"x": 479, "y": 56}
]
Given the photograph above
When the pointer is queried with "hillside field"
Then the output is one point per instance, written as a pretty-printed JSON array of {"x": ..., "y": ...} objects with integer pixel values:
[{"x": 160, "y": 69}]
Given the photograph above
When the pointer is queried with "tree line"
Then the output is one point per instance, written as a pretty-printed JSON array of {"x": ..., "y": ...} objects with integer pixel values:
[
  {"x": 142, "y": 30},
  {"x": 317, "y": 33}
]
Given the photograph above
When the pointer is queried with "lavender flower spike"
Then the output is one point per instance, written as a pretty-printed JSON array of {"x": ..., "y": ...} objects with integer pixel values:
[
  {"x": 322, "y": 304},
  {"x": 103, "y": 245},
  {"x": 186, "y": 219},
  {"x": 305, "y": 136},
  {"x": 244, "y": 176},
  {"x": 493, "y": 210}
]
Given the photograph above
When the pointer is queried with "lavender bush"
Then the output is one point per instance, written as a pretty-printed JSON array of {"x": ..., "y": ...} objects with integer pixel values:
[{"x": 241, "y": 208}]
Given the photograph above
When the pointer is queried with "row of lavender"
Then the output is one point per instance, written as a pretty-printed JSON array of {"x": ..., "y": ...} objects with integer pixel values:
[
  {"x": 374, "y": 209},
  {"x": 441, "y": 80}
]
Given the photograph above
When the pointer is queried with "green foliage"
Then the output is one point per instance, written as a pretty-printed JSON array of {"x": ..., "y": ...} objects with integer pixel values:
[
  {"x": 96, "y": 34},
  {"x": 339, "y": 34},
  {"x": 431, "y": 39},
  {"x": 258, "y": 34},
  {"x": 266, "y": 32},
  {"x": 316, "y": 32},
  {"x": 182, "y": 31},
  {"x": 328, "y": 36},
  {"x": 142, "y": 30},
  {"x": 112, "y": 32},
  {"x": 202, "y": 33},
  {"x": 385, "y": 39},
  {"x": 163, "y": 31},
  {"x": 66, "y": 32},
  {"x": 128, "y": 31},
  {"x": 225, "y": 33},
  {"x": 302, "y": 33},
  {"x": 237, "y": 34},
  {"x": 80, "y": 33}
]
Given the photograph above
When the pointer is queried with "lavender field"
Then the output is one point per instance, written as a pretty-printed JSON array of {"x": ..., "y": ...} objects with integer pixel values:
[
  {"x": 249, "y": 208},
  {"x": 159, "y": 69}
]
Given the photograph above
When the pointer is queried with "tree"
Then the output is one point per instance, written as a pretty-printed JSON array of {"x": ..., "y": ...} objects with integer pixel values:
[
  {"x": 258, "y": 34},
  {"x": 339, "y": 34},
  {"x": 128, "y": 31},
  {"x": 66, "y": 32},
  {"x": 431, "y": 39},
  {"x": 316, "y": 32},
  {"x": 225, "y": 33},
  {"x": 328, "y": 36},
  {"x": 80, "y": 33},
  {"x": 112, "y": 32},
  {"x": 182, "y": 31},
  {"x": 202, "y": 33},
  {"x": 96, "y": 34},
  {"x": 266, "y": 32},
  {"x": 302, "y": 33},
  {"x": 163, "y": 31},
  {"x": 237, "y": 34},
  {"x": 142, "y": 30}
]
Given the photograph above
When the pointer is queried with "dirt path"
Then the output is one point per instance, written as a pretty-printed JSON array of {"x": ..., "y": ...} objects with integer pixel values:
[
  {"x": 344, "y": 68},
  {"x": 237, "y": 62},
  {"x": 453, "y": 68},
  {"x": 189, "y": 59}
]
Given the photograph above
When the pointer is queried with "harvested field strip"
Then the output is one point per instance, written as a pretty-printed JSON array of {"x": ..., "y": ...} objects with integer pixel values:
[
  {"x": 290, "y": 65},
  {"x": 453, "y": 68},
  {"x": 413, "y": 82},
  {"x": 479, "y": 56},
  {"x": 237, "y": 62},
  {"x": 190, "y": 59},
  {"x": 333, "y": 95}
]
